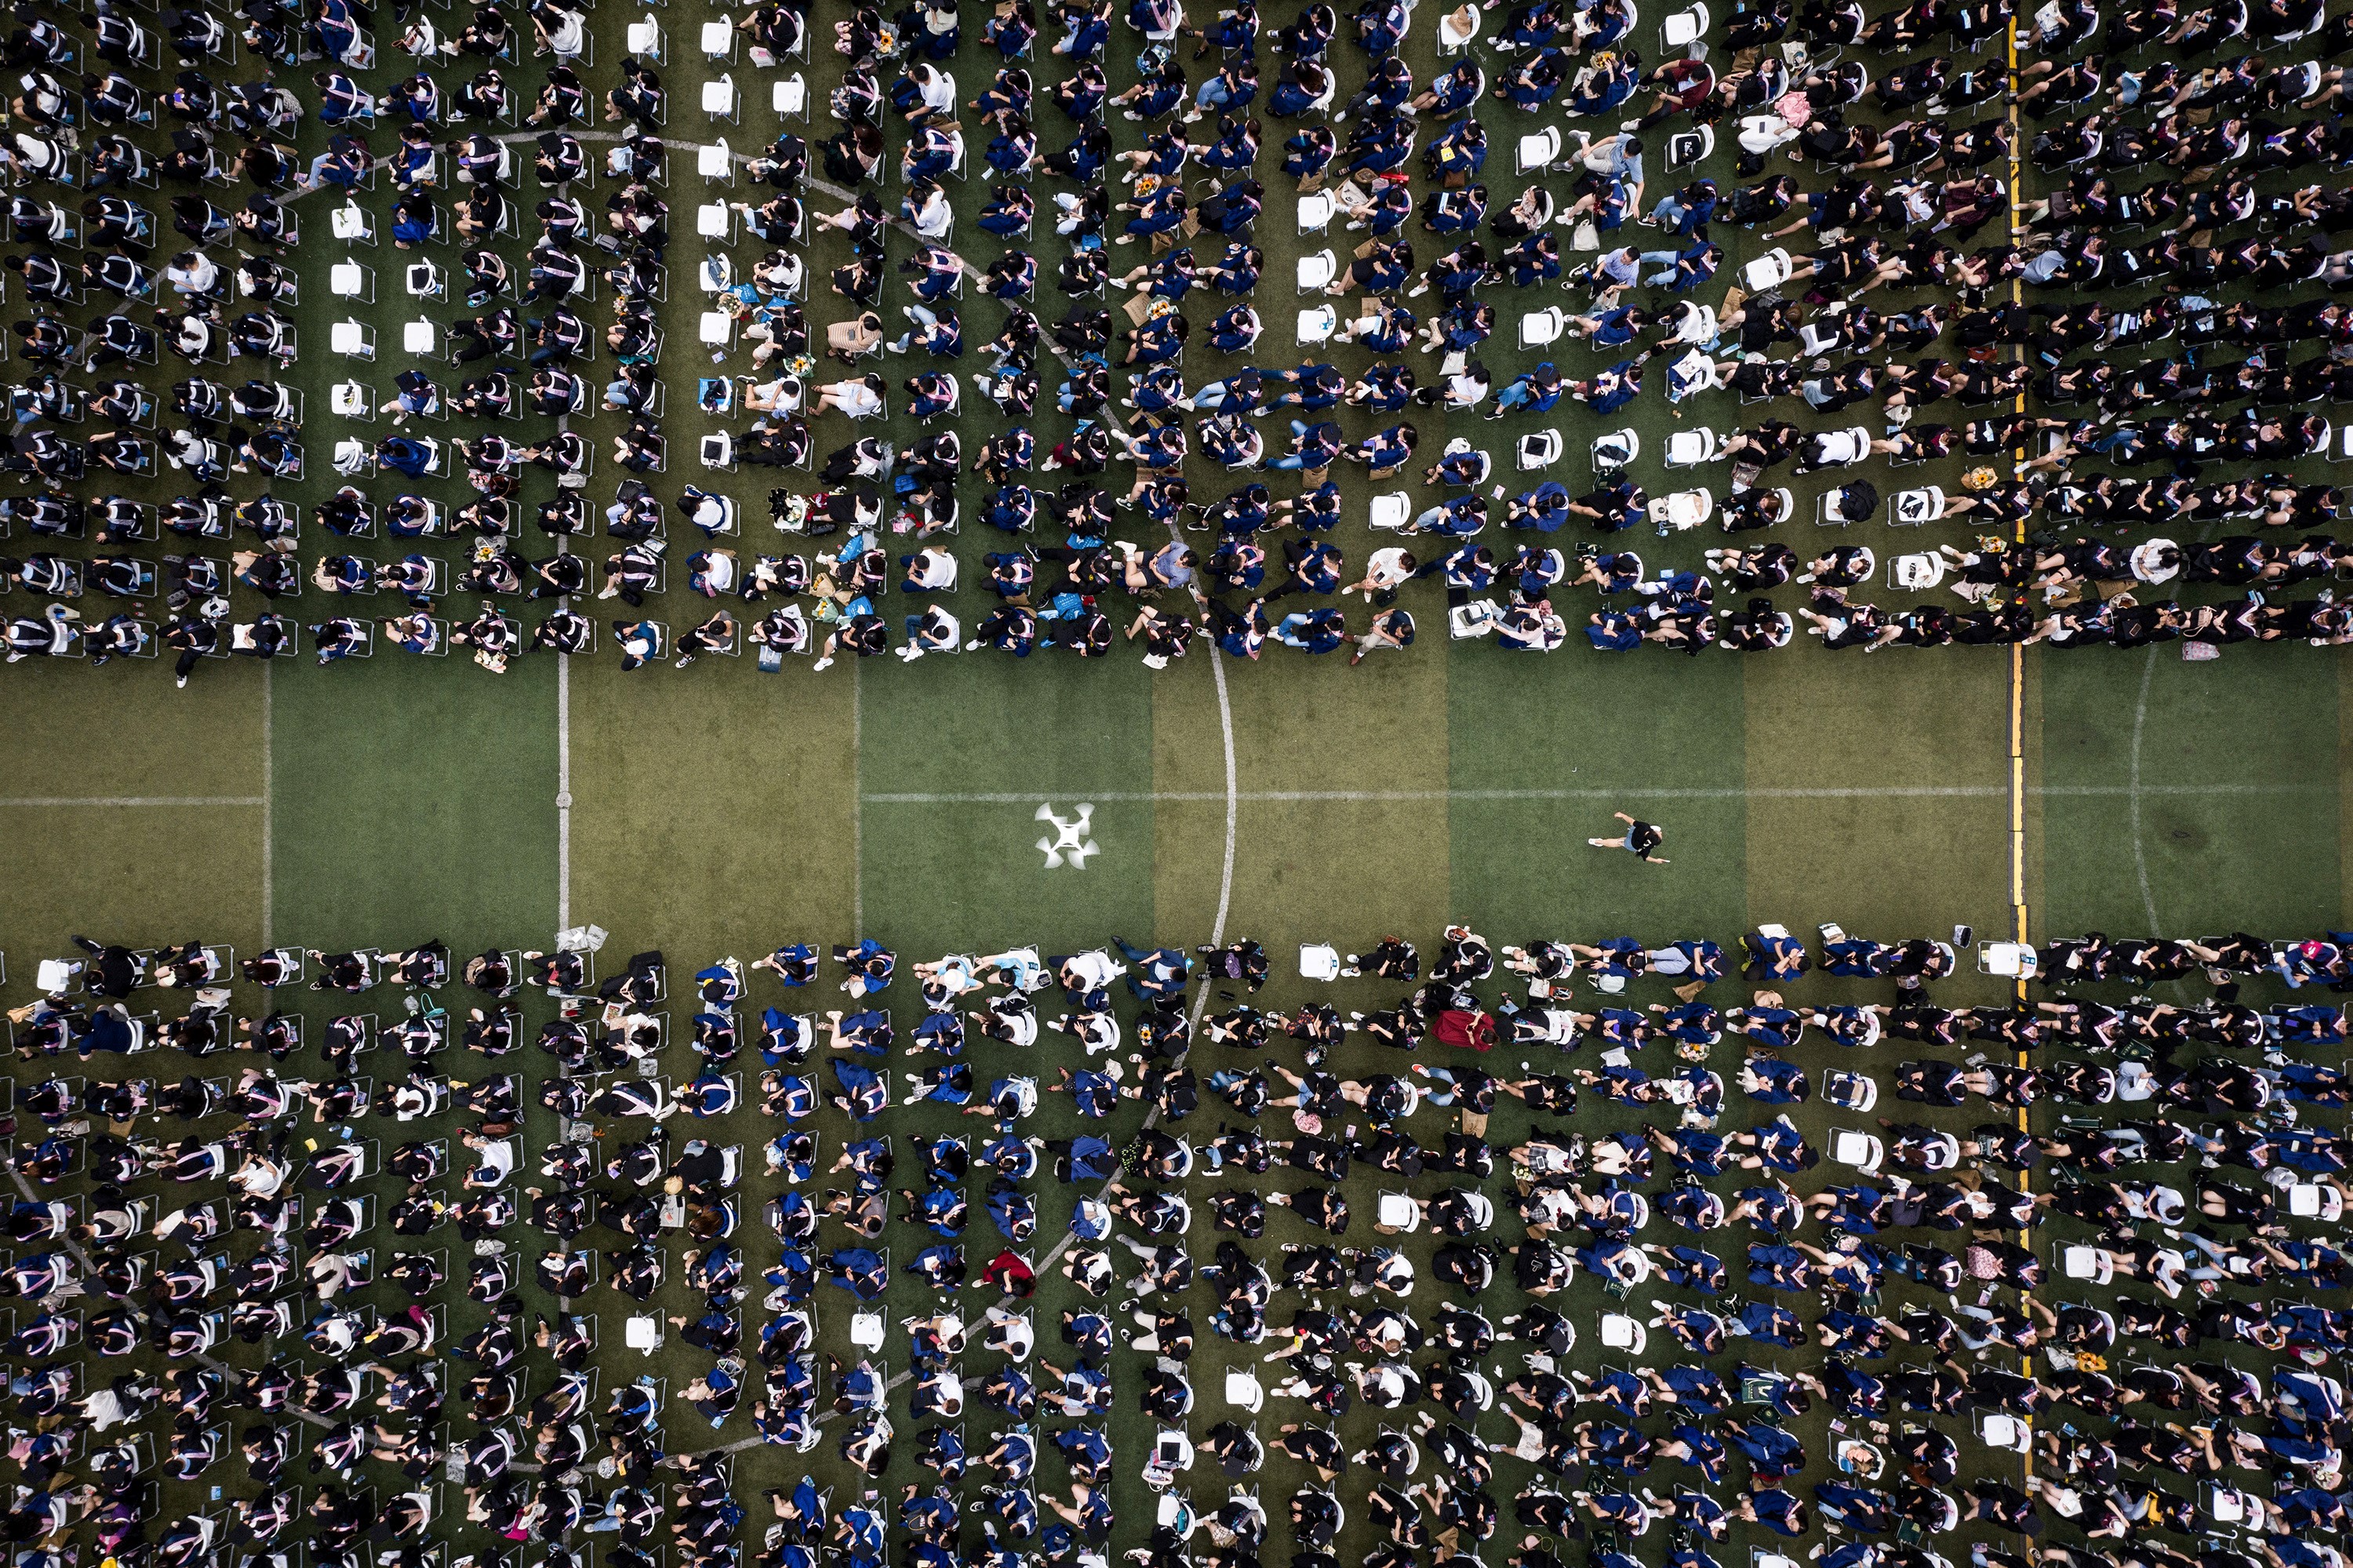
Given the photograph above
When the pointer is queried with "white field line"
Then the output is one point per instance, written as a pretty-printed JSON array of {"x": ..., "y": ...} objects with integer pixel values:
[
  {"x": 1858, "y": 792},
  {"x": 31, "y": 803}
]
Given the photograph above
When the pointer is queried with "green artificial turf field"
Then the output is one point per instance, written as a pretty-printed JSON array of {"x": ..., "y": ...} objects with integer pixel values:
[{"x": 720, "y": 811}]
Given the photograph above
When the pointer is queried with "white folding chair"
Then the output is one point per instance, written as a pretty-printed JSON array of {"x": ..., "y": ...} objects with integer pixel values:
[
  {"x": 1620, "y": 1333},
  {"x": 1862, "y": 1150},
  {"x": 1913, "y": 508},
  {"x": 1615, "y": 450},
  {"x": 2010, "y": 960},
  {"x": 1770, "y": 271},
  {"x": 1538, "y": 150},
  {"x": 1684, "y": 29},
  {"x": 2005, "y": 1432},
  {"x": 1691, "y": 448},
  {"x": 348, "y": 279},
  {"x": 351, "y": 224},
  {"x": 1683, "y": 510},
  {"x": 1539, "y": 449}
]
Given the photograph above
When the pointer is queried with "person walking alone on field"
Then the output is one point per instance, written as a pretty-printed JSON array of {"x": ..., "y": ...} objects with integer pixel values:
[{"x": 1640, "y": 836}]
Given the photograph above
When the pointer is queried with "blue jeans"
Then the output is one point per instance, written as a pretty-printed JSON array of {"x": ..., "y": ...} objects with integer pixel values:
[
  {"x": 1215, "y": 93},
  {"x": 1298, "y": 427},
  {"x": 1665, "y": 261}
]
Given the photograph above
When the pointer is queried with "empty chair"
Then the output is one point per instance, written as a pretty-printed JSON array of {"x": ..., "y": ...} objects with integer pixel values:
[
  {"x": 1689, "y": 448},
  {"x": 718, "y": 451},
  {"x": 1616, "y": 450},
  {"x": 717, "y": 328},
  {"x": 1684, "y": 29},
  {"x": 1243, "y": 1391},
  {"x": 2087, "y": 1263},
  {"x": 2232, "y": 1508},
  {"x": 1317, "y": 324},
  {"x": 719, "y": 98},
  {"x": 2315, "y": 1200},
  {"x": 2011, "y": 961},
  {"x": 1696, "y": 145},
  {"x": 1392, "y": 510},
  {"x": 351, "y": 224},
  {"x": 348, "y": 279},
  {"x": 1540, "y": 448},
  {"x": 1620, "y": 1333},
  {"x": 1856, "y": 1091},
  {"x": 789, "y": 98},
  {"x": 419, "y": 336},
  {"x": 1860, "y": 1150},
  {"x": 643, "y": 38},
  {"x": 1538, "y": 150},
  {"x": 1479, "y": 618},
  {"x": 714, "y": 220},
  {"x": 1317, "y": 272},
  {"x": 1770, "y": 271},
  {"x": 1540, "y": 328},
  {"x": 1919, "y": 571},
  {"x": 1396, "y": 1211},
  {"x": 1911, "y": 508},
  {"x": 719, "y": 39},
  {"x": 715, "y": 161},
  {"x": 1315, "y": 210},
  {"x": 1319, "y": 961},
  {"x": 352, "y": 339}
]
